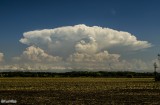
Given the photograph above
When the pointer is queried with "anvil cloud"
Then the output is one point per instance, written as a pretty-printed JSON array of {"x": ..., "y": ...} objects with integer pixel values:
[
  {"x": 65, "y": 41},
  {"x": 78, "y": 47}
]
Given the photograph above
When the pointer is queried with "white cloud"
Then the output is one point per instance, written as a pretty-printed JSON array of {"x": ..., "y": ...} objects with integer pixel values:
[
  {"x": 78, "y": 47},
  {"x": 65, "y": 41},
  {"x": 133, "y": 65},
  {"x": 35, "y": 54},
  {"x": 33, "y": 66},
  {"x": 99, "y": 57},
  {"x": 1, "y": 57},
  {"x": 89, "y": 47}
]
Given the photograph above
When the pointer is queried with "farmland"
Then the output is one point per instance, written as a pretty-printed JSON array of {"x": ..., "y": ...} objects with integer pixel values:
[{"x": 81, "y": 91}]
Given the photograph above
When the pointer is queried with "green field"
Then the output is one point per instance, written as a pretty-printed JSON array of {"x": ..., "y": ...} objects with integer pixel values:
[{"x": 81, "y": 91}]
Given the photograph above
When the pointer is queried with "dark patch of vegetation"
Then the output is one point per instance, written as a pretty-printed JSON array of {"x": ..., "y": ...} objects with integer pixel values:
[
  {"x": 78, "y": 74},
  {"x": 157, "y": 77}
]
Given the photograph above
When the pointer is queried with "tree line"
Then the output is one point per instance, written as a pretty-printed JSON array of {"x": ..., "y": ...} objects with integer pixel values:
[{"x": 79, "y": 74}]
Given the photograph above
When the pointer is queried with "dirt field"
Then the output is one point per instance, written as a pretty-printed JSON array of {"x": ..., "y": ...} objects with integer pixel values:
[{"x": 80, "y": 91}]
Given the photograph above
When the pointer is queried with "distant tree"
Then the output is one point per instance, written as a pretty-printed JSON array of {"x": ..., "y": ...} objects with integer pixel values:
[
  {"x": 1, "y": 75},
  {"x": 129, "y": 76}
]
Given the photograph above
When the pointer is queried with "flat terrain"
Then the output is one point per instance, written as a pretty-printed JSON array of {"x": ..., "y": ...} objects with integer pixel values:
[{"x": 81, "y": 91}]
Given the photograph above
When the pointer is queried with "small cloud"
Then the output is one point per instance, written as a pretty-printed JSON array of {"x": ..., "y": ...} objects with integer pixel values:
[
  {"x": 1, "y": 57},
  {"x": 35, "y": 54}
]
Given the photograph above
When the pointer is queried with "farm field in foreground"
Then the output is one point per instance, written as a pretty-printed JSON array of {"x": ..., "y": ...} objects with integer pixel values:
[{"x": 81, "y": 91}]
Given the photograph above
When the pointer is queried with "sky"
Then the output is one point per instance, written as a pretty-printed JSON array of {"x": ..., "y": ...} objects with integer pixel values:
[{"x": 58, "y": 35}]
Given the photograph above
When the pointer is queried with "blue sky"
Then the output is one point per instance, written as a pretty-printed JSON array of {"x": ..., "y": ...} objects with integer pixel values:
[{"x": 138, "y": 17}]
